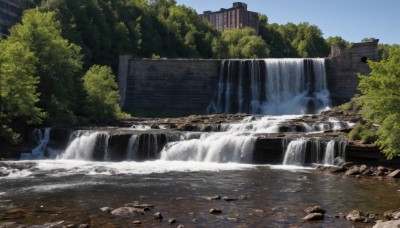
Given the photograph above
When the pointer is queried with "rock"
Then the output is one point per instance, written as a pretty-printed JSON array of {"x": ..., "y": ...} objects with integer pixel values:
[
  {"x": 158, "y": 215},
  {"x": 127, "y": 212},
  {"x": 8, "y": 224},
  {"x": 359, "y": 216},
  {"x": 4, "y": 172},
  {"x": 363, "y": 168},
  {"x": 172, "y": 221},
  {"x": 215, "y": 211},
  {"x": 154, "y": 126},
  {"x": 353, "y": 171},
  {"x": 382, "y": 169},
  {"x": 83, "y": 225},
  {"x": 226, "y": 198},
  {"x": 395, "y": 174},
  {"x": 180, "y": 226},
  {"x": 392, "y": 215},
  {"x": 315, "y": 209},
  {"x": 15, "y": 211},
  {"x": 314, "y": 216},
  {"x": 347, "y": 165},
  {"x": 216, "y": 197},
  {"x": 388, "y": 224},
  {"x": 107, "y": 209},
  {"x": 137, "y": 222},
  {"x": 333, "y": 169}
]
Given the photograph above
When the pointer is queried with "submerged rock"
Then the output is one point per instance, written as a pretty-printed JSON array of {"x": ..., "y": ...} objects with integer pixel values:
[
  {"x": 158, "y": 215},
  {"x": 107, "y": 209},
  {"x": 360, "y": 216},
  {"x": 314, "y": 216},
  {"x": 127, "y": 212},
  {"x": 315, "y": 209},
  {"x": 215, "y": 211},
  {"x": 172, "y": 221},
  {"x": 388, "y": 224}
]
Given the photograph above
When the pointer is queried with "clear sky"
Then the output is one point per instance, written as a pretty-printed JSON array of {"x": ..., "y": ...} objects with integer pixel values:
[{"x": 353, "y": 20}]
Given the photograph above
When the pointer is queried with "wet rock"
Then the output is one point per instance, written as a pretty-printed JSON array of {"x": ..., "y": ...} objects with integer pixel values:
[
  {"x": 158, "y": 215},
  {"x": 139, "y": 205},
  {"x": 359, "y": 216},
  {"x": 363, "y": 168},
  {"x": 226, "y": 198},
  {"x": 392, "y": 215},
  {"x": 337, "y": 169},
  {"x": 83, "y": 225},
  {"x": 215, "y": 211},
  {"x": 154, "y": 126},
  {"x": 382, "y": 169},
  {"x": 4, "y": 172},
  {"x": 172, "y": 221},
  {"x": 314, "y": 216},
  {"x": 216, "y": 197},
  {"x": 8, "y": 224},
  {"x": 353, "y": 171},
  {"x": 388, "y": 224},
  {"x": 315, "y": 209},
  {"x": 348, "y": 165},
  {"x": 137, "y": 222},
  {"x": 127, "y": 212},
  {"x": 394, "y": 174},
  {"x": 107, "y": 209},
  {"x": 180, "y": 226}
]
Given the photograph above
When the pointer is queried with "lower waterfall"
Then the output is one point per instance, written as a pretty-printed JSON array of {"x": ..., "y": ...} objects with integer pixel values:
[{"x": 306, "y": 151}]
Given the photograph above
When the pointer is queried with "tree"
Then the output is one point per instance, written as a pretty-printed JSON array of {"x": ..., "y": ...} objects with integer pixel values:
[
  {"x": 58, "y": 61},
  {"x": 337, "y": 40},
  {"x": 381, "y": 100},
  {"x": 18, "y": 94},
  {"x": 240, "y": 43},
  {"x": 102, "y": 93}
]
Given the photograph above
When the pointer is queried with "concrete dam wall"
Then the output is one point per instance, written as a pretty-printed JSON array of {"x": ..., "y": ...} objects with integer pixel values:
[{"x": 181, "y": 87}]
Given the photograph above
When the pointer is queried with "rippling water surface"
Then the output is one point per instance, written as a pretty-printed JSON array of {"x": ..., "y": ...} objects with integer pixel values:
[{"x": 267, "y": 196}]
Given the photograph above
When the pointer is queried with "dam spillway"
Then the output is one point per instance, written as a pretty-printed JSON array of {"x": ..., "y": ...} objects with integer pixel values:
[{"x": 271, "y": 86}]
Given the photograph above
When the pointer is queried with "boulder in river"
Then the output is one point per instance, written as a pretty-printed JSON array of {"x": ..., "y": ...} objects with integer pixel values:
[
  {"x": 360, "y": 216},
  {"x": 395, "y": 174},
  {"x": 314, "y": 216},
  {"x": 127, "y": 212},
  {"x": 314, "y": 209},
  {"x": 158, "y": 215},
  {"x": 215, "y": 211},
  {"x": 388, "y": 224}
]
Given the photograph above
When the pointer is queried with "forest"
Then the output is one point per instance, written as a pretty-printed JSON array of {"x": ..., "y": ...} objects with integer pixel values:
[{"x": 60, "y": 62}]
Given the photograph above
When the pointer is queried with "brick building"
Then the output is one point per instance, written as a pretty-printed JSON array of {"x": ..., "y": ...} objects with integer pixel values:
[
  {"x": 10, "y": 14},
  {"x": 232, "y": 18}
]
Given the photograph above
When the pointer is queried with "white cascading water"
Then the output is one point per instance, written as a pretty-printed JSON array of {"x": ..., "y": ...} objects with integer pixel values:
[
  {"x": 295, "y": 152},
  {"x": 216, "y": 147},
  {"x": 81, "y": 146},
  {"x": 320, "y": 152},
  {"x": 329, "y": 157},
  {"x": 39, "y": 151},
  {"x": 132, "y": 148},
  {"x": 285, "y": 86}
]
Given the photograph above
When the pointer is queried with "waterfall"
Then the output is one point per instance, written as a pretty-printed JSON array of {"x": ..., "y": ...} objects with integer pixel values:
[
  {"x": 295, "y": 152},
  {"x": 217, "y": 147},
  {"x": 39, "y": 152},
  {"x": 329, "y": 153},
  {"x": 82, "y": 146},
  {"x": 306, "y": 151},
  {"x": 132, "y": 149},
  {"x": 271, "y": 86}
]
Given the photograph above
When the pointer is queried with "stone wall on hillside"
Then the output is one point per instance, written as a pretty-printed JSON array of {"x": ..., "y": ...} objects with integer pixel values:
[
  {"x": 167, "y": 87},
  {"x": 343, "y": 67}
]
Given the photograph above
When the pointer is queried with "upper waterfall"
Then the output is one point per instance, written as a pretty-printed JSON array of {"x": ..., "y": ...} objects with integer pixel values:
[{"x": 271, "y": 86}]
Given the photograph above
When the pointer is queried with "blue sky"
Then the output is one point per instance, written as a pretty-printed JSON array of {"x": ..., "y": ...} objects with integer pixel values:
[{"x": 353, "y": 20}]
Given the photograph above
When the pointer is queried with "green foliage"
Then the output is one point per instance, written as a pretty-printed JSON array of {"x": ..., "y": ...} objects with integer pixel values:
[
  {"x": 290, "y": 40},
  {"x": 102, "y": 93},
  {"x": 382, "y": 98},
  {"x": 337, "y": 40},
  {"x": 57, "y": 64},
  {"x": 240, "y": 43},
  {"x": 18, "y": 94},
  {"x": 364, "y": 133}
]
